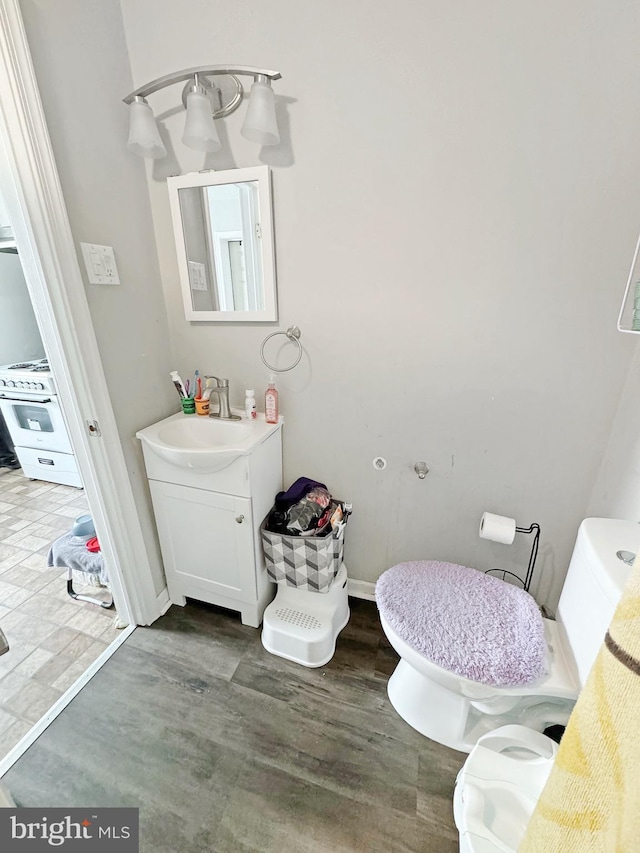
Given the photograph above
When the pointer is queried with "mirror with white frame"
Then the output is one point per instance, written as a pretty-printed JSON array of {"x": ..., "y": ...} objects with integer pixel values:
[{"x": 223, "y": 227}]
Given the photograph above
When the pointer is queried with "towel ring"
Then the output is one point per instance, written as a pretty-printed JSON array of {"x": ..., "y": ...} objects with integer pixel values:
[{"x": 293, "y": 333}]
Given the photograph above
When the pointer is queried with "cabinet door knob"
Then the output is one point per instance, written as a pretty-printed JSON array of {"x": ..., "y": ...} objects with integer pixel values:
[{"x": 239, "y": 518}]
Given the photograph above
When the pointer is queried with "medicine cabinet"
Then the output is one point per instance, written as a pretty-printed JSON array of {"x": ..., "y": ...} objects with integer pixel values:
[{"x": 223, "y": 227}]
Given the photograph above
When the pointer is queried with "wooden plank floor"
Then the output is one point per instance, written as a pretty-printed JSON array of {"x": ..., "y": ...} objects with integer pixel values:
[{"x": 224, "y": 747}]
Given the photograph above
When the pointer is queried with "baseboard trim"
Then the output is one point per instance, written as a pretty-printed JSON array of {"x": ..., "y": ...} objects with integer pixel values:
[
  {"x": 361, "y": 589},
  {"x": 164, "y": 602}
]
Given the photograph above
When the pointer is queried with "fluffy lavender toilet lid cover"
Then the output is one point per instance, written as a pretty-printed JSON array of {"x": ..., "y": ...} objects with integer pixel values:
[{"x": 472, "y": 624}]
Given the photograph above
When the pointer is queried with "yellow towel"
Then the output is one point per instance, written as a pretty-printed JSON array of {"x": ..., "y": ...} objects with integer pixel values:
[{"x": 591, "y": 803}]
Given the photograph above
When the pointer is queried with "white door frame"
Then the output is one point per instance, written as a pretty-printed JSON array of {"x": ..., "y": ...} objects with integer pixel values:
[{"x": 31, "y": 187}]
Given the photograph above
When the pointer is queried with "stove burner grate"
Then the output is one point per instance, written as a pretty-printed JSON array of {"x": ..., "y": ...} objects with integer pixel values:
[{"x": 31, "y": 366}]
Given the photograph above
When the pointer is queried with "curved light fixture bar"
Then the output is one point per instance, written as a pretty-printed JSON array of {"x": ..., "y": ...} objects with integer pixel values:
[
  {"x": 204, "y": 102},
  {"x": 201, "y": 70}
]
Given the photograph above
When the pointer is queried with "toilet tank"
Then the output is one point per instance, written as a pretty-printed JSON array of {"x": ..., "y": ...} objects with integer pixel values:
[{"x": 594, "y": 584}]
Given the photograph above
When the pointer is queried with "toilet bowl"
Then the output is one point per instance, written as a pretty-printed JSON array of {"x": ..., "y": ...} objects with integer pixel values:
[
  {"x": 456, "y": 711},
  {"x": 498, "y": 787},
  {"x": 453, "y": 709}
]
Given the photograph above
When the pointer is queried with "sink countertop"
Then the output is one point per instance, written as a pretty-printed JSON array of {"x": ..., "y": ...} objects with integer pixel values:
[{"x": 201, "y": 442}]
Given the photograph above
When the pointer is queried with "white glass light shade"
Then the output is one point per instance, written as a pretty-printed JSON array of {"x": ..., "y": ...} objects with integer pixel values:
[
  {"x": 144, "y": 136},
  {"x": 260, "y": 122},
  {"x": 200, "y": 130}
]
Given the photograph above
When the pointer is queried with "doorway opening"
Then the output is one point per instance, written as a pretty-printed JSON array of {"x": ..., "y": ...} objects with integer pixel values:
[
  {"x": 56, "y": 605},
  {"x": 30, "y": 186}
]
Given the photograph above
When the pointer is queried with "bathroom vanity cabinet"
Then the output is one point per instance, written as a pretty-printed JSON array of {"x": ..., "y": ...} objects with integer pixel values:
[{"x": 209, "y": 526}]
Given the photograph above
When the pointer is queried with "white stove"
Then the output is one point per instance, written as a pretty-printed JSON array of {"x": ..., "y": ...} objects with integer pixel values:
[
  {"x": 30, "y": 406},
  {"x": 32, "y": 378}
]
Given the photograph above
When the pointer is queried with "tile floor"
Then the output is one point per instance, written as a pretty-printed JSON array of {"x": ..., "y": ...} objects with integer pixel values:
[{"x": 52, "y": 638}]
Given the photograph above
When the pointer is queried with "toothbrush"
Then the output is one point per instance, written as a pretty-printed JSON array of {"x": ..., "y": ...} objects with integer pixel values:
[{"x": 198, "y": 382}]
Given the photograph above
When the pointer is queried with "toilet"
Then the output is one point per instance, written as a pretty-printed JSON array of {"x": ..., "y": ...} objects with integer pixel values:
[{"x": 475, "y": 653}]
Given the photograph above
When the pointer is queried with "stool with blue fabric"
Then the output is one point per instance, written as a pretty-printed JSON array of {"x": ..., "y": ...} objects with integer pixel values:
[{"x": 70, "y": 552}]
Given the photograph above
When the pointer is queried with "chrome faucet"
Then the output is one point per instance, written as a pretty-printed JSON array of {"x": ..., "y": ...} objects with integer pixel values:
[{"x": 221, "y": 388}]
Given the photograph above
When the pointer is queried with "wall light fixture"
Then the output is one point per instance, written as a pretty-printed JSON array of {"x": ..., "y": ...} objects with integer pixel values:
[{"x": 211, "y": 92}]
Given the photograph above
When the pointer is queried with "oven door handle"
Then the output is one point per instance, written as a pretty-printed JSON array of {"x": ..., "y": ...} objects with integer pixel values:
[{"x": 26, "y": 399}]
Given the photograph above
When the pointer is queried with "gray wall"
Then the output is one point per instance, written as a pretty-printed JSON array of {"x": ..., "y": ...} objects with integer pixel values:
[
  {"x": 617, "y": 489},
  {"x": 19, "y": 336},
  {"x": 455, "y": 211},
  {"x": 81, "y": 62}
]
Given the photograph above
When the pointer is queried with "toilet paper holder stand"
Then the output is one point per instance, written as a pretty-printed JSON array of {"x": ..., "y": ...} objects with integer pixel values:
[{"x": 526, "y": 583}]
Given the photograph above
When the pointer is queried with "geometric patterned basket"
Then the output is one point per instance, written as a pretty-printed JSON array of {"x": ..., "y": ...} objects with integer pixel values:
[{"x": 306, "y": 562}]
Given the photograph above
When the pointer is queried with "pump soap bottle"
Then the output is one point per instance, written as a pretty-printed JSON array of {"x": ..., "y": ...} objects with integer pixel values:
[
  {"x": 271, "y": 410},
  {"x": 250, "y": 405}
]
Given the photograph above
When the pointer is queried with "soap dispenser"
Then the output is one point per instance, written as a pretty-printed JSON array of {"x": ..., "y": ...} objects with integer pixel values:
[
  {"x": 271, "y": 410},
  {"x": 250, "y": 404}
]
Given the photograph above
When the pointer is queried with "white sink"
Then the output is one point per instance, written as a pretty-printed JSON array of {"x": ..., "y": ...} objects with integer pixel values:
[{"x": 203, "y": 443}]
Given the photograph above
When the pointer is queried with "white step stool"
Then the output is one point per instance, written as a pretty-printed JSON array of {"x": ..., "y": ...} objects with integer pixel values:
[{"x": 303, "y": 626}]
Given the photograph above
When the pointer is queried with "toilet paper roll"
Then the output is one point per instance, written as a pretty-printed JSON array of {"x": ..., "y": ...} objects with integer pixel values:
[{"x": 497, "y": 528}]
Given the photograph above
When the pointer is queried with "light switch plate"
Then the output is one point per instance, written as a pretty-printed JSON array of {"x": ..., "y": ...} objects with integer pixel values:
[
  {"x": 100, "y": 262},
  {"x": 197, "y": 276}
]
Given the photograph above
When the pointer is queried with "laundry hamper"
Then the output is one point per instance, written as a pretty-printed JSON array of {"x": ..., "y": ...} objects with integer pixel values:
[{"x": 308, "y": 563}]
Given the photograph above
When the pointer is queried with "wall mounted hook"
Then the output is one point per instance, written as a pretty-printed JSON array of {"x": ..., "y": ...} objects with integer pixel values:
[{"x": 421, "y": 469}]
